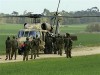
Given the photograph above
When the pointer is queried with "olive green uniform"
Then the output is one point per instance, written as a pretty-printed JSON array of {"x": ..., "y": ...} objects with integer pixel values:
[
  {"x": 59, "y": 42},
  {"x": 54, "y": 45},
  {"x": 33, "y": 49},
  {"x": 68, "y": 46},
  {"x": 8, "y": 48},
  {"x": 37, "y": 42},
  {"x": 14, "y": 47},
  {"x": 49, "y": 45},
  {"x": 27, "y": 49}
]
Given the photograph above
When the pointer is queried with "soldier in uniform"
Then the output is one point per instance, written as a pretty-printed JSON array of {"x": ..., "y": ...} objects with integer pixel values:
[
  {"x": 27, "y": 49},
  {"x": 33, "y": 48},
  {"x": 49, "y": 44},
  {"x": 54, "y": 45},
  {"x": 8, "y": 48},
  {"x": 59, "y": 42},
  {"x": 68, "y": 45},
  {"x": 46, "y": 43},
  {"x": 37, "y": 43},
  {"x": 14, "y": 47}
]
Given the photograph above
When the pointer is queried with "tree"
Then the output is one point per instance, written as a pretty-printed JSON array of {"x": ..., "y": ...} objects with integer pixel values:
[{"x": 15, "y": 13}]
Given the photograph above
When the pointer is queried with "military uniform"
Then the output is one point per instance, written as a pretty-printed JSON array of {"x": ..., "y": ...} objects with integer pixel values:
[
  {"x": 37, "y": 43},
  {"x": 54, "y": 45},
  {"x": 49, "y": 44},
  {"x": 27, "y": 49},
  {"x": 46, "y": 43},
  {"x": 8, "y": 48},
  {"x": 68, "y": 45},
  {"x": 59, "y": 44},
  {"x": 33, "y": 49},
  {"x": 14, "y": 47}
]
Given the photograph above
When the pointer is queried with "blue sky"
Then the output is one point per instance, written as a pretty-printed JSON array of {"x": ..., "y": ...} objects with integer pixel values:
[{"x": 37, "y": 6}]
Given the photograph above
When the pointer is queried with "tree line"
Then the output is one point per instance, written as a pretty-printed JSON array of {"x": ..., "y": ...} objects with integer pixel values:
[{"x": 94, "y": 11}]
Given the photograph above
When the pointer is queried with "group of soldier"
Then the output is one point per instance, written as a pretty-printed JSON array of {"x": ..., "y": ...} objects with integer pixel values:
[
  {"x": 33, "y": 46},
  {"x": 53, "y": 44},
  {"x": 56, "y": 44},
  {"x": 11, "y": 47}
]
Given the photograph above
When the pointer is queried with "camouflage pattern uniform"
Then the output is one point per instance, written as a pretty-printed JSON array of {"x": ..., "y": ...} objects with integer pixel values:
[
  {"x": 68, "y": 45},
  {"x": 37, "y": 43},
  {"x": 33, "y": 48},
  {"x": 54, "y": 45},
  {"x": 59, "y": 42},
  {"x": 27, "y": 49},
  {"x": 8, "y": 48},
  {"x": 46, "y": 43},
  {"x": 49, "y": 44},
  {"x": 14, "y": 47}
]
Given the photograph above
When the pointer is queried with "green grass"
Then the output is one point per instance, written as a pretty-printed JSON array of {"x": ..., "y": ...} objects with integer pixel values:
[
  {"x": 7, "y": 30},
  {"x": 84, "y": 65},
  {"x": 10, "y": 28},
  {"x": 88, "y": 39},
  {"x": 73, "y": 28}
]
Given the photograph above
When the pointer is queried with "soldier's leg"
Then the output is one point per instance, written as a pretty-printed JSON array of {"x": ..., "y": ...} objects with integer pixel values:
[
  {"x": 51, "y": 49},
  {"x": 61, "y": 52},
  {"x": 37, "y": 52},
  {"x": 58, "y": 50},
  {"x": 15, "y": 54},
  {"x": 12, "y": 53},
  {"x": 27, "y": 58},
  {"x": 55, "y": 52},
  {"x": 9, "y": 53},
  {"x": 34, "y": 53},
  {"x": 70, "y": 53},
  {"x": 55, "y": 49},
  {"x": 24, "y": 56},
  {"x": 27, "y": 55},
  {"x": 6, "y": 54},
  {"x": 67, "y": 53},
  {"x": 31, "y": 54}
]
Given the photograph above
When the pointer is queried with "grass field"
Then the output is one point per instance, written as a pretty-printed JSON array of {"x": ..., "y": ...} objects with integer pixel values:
[
  {"x": 73, "y": 28},
  {"x": 84, "y": 65},
  {"x": 84, "y": 38}
]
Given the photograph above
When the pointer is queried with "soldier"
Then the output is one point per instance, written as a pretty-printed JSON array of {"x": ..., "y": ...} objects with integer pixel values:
[
  {"x": 49, "y": 44},
  {"x": 46, "y": 43},
  {"x": 54, "y": 45},
  {"x": 8, "y": 48},
  {"x": 59, "y": 42},
  {"x": 33, "y": 48},
  {"x": 27, "y": 49},
  {"x": 37, "y": 43},
  {"x": 14, "y": 47},
  {"x": 68, "y": 45}
]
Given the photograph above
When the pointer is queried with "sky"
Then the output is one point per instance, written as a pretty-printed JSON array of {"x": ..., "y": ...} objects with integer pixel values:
[{"x": 37, "y": 6}]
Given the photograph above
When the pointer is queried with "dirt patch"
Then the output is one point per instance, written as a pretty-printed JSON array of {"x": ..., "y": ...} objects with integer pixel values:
[{"x": 80, "y": 51}]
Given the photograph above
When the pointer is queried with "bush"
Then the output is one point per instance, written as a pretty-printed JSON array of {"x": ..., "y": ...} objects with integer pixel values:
[{"x": 94, "y": 27}]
